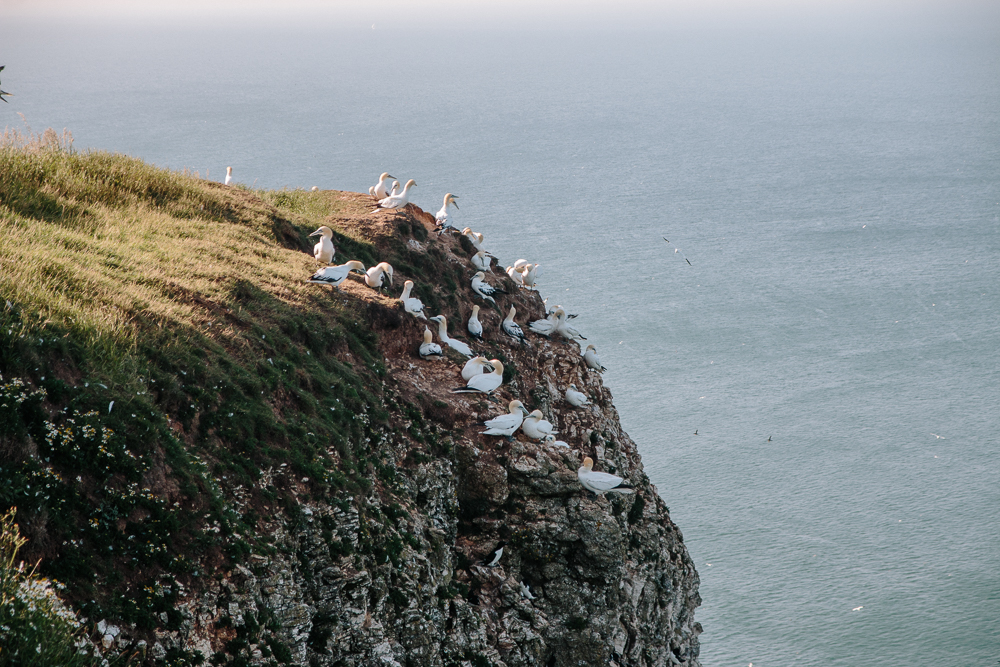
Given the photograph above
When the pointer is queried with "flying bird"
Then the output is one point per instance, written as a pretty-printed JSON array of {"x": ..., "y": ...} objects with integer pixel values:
[
  {"x": 324, "y": 250},
  {"x": 2, "y": 92},
  {"x": 677, "y": 250},
  {"x": 494, "y": 557}
]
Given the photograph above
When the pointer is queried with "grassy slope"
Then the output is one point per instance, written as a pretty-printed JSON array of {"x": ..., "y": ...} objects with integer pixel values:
[{"x": 183, "y": 302}]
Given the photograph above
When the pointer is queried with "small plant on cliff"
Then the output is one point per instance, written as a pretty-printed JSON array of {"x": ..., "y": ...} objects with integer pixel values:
[{"x": 35, "y": 627}]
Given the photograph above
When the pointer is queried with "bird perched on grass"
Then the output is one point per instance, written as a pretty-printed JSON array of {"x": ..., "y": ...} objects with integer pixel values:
[
  {"x": 411, "y": 304},
  {"x": 400, "y": 200},
  {"x": 335, "y": 275},
  {"x": 600, "y": 482},
  {"x": 381, "y": 189},
  {"x": 2, "y": 93},
  {"x": 324, "y": 251},
  {"x": 441, "y": 218},
  {"x": 378, "y": 275},
  {"x": 229, "y": 175}
]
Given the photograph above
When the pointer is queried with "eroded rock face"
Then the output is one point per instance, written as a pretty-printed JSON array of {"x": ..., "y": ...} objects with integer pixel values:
[{"x": 396, "y": 576}]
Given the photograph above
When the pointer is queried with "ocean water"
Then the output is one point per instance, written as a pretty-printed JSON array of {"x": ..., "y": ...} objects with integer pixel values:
[{"x": 834, "y": 342}]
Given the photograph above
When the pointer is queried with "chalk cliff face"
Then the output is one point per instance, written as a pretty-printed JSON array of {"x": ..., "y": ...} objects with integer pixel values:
[{"x": 394, "y": 575}]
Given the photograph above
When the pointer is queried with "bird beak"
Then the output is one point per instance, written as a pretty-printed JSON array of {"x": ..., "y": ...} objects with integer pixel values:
[
  {"x": 316, "y": 233},
  {"x": 525, "y": 411},
  {"x": 454, "y": 202},
  {"x": 393, "y": 177}
]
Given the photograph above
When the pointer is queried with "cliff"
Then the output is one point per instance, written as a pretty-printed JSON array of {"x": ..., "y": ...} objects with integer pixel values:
[{"x": 224, "y": 464}]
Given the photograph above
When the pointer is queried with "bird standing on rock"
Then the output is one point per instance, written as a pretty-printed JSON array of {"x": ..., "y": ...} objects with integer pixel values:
[
  {"x": 536, "y": 427},
  {"x": 454, "y": 344},
  {"x": 481, "y": 261},
  {"x": 592, "y": 360},
  {"x": 506, "y": 425},
  {"x": 441, "y": 218},
  {"x": 476, "y": 366},
  {"x": 512, "y": 328},
  {"x": 600, "y": 482},
  {"x": 486, "y": 382},
  {"x": 576, "y": 398},
  {"x": 484, "y": 289},
  {"x": 324, "y": 250}
]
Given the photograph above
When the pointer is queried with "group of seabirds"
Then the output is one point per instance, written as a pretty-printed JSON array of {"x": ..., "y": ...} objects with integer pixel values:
[{"x": 481, "y": 375}]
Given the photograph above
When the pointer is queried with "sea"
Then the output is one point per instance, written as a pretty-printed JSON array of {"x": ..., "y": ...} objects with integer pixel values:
[{"x": 783, "y": 242}]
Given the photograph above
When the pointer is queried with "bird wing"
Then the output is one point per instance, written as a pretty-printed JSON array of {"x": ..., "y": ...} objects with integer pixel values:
[
  {"x": 504, "y": 422},
  {"x": 601, "y": 481}
]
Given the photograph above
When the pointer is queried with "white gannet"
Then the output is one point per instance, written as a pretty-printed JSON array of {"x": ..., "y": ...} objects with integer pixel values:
[
  {"x": 600, "y": 482},
  {"x": 494, "y": 558},
  {"x": 377, "y": 275},
  {"x": 229, "y": 175},
  {"x": 429, "y": 348},
  {"x": 481, "y": 261},
  {"x": 536, "y": 427},
  {"x": 324, "y": 250},
  {"x": 512, "y": 328},
  {"x": 576, "y": 398},
  {"x": 564, "y": 329},
  {"x": 506, "y": 425},
  {"x": 551, "y": 440},
  {"x": 476, "y": 239},
  {"x": 515, "y": 275},
  {"x": 400, "y": 200},
  {"x": 548, "y": 326},
  {"x": 484, "y": 289},
  {"x": 529, "y": 274},
  {"x": 412, "y": 304},
  {"x": 526, "y": 592},
  {"x": 486, "y": 382},
  {"x": 520, "y": 264},
  {"x": 441, "y": 218},
  {"x": 475, "y": 326},
  {"x": 381, "y": 190},
  {"x": 454, "y": 344},
  {"x": 592, "y": 360},
  {"x": 334, "y": 275},
  {"x": 476, "y": 366}
]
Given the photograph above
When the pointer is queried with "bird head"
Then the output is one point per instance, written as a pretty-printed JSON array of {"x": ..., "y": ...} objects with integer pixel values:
[
  {"x": 450, "y": 199},
  {"x": 588, "y": 463},
  {"x": 355, "y": 265},
  {"x": 410, "y": 183},
  {"x": 385, "y": 175},
  {"x": 591, "y": 347},
  {"x": 480, "y": 275},
  {"x": 537, "y": 414},
  {"x": 323, "y": 231},
  {"x": 497, "y": 366},
  {"x": 517, "y": 405}
]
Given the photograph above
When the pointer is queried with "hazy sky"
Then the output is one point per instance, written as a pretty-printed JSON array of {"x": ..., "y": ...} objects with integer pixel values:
[{"x": 539, "y": 14}]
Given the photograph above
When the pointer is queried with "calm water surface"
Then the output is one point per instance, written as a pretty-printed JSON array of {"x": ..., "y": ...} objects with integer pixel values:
[{"x": 838, "y": 198}]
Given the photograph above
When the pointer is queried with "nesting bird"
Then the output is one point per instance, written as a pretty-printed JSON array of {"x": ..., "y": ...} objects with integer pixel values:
[
  {"x": 474, "y": 326},
  {"x": 429, "y": 348},
  {"x": 486, "y": 382},
  {"x": 576, "y": 398},
  {"x": 400, "y": 200},
  {"x": 551, "y": 440},
  {"x": 378, "y": 275},
  {"x": 536, "y": 427},
  {"x": 324, "y": 251},
  {"x": 512, "y": 328},
  {"x": 380, "y": 190},
  {"x": 592, "y": 360},
  {"x": 441, "y": 218},
  {"x": 335, "y": 275},
  {"x": 481, "y": 261},
  {"x": 476, "y": 366},
  {"x": 600, "y": 482},
  {"x": 412, "y": 305},
  {"x": 454, "y": 344},
  {"x": 484, "y": 289},
  {"x": 506, "y": 425}
]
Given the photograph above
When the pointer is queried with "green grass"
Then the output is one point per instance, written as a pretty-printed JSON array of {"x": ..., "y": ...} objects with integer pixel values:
[{"x": 184, "y": 303}]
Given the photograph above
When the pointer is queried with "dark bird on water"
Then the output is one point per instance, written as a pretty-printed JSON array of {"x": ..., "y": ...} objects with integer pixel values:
[
  {"x": 494, "y": 558},
  {"x": 3, "y": 92},
  {"x": 769, "y": 438},
  {"x": 696, "y": 431}
]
